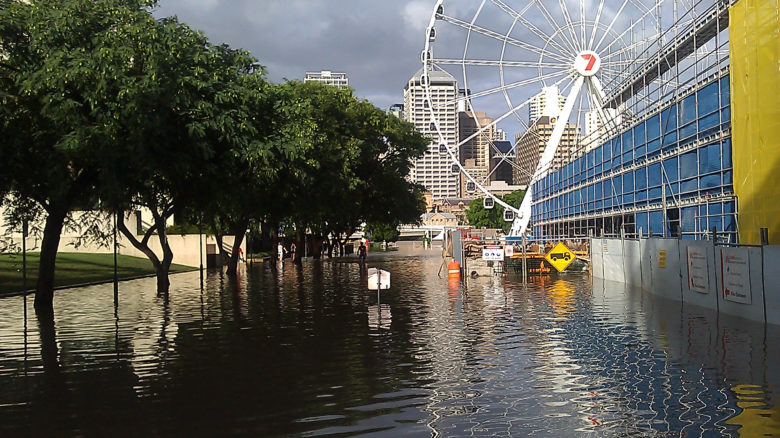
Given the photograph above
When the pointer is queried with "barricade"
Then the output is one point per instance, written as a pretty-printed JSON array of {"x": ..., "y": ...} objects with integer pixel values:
[
  {"x": 740, "y": 283},
  {"x": 772, "y": 283},
  {"x": 596, "y": 258},
  {"x": 665, "y": 267},
  {"x": 632, "y": 263},
  {"x": 613, "y": 260},
  {"x": 645, "y": 248},
  {"x": 697, "y": 269}
]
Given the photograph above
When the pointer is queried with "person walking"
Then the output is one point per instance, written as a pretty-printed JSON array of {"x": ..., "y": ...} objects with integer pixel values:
[
  {"x": 292, "y": 251},
  {"x": 280, "y": 250},
  {"x": 362, "y": 252}
]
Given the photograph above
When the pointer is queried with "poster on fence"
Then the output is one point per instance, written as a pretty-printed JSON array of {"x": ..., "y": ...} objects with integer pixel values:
[
  {"x": 698, "y": 275},
  {"x": 735, "y": 272}
]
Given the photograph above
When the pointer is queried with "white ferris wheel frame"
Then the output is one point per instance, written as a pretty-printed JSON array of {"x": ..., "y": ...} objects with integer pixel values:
[{"x": 581, "y": 73}]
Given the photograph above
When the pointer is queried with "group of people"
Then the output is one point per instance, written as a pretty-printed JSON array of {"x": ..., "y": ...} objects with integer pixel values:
[{"x": 281, "y": 251}]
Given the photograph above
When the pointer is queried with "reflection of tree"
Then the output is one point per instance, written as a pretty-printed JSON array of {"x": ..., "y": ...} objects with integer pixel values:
[
  {"x": 310, "y": 357},
  {"x": 81, "y": 383}
]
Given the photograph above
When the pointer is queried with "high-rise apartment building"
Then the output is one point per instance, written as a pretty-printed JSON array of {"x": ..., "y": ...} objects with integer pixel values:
[
  {"x": 328, "y": 77},
  {"x": 548, "y": 103},
  {"x": 434, "y": 169},
  {"x": 531, "y": 145}
]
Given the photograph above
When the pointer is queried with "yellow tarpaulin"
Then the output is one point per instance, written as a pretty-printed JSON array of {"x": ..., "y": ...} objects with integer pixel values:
[{"x": 754, "y": 44}]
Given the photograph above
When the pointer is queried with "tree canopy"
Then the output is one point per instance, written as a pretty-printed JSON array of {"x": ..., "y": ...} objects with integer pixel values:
[
  {"x": 480, "y": 217},
  {"x": 104, "y": 107}
]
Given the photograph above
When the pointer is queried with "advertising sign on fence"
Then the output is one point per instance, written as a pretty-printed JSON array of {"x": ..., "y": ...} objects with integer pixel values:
[
  {"x": 735, "y": 275},
  {"x": 493, "y": 253},
  {"x": 698, "y": 276}
]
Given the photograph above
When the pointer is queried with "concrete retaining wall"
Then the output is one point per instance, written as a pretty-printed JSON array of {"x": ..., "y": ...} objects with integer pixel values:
[{"x": 185, "y": 248}]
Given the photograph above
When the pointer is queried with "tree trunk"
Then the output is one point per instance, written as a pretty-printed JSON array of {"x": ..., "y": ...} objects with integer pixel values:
[
  {"x": 239, "y": 232},
  {"x": 163, "y": 282},
  {"x": 44, "y": 291},
  {"x": 161, "y": 267},
  {"x": 300, "y": 245},
  {"x": 48, "y": 341},
  {"x": 316, "y": 247}
]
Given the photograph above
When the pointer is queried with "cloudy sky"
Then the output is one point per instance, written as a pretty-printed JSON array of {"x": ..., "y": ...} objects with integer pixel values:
[{"x": 376, "y": 42}]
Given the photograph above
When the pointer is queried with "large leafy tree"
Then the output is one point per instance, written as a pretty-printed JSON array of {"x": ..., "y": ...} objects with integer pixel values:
[
  {"x": 194, "y": 123},
  {"x": 64, "y": 69},
  {"x": 351, "y": 168}
]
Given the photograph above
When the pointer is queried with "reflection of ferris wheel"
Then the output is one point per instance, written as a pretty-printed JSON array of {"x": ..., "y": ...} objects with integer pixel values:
[{"x": 528, "y": 62}]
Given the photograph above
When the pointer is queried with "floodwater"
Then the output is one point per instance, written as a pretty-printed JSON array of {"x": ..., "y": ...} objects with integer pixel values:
[{"x": 308, "y": 352}]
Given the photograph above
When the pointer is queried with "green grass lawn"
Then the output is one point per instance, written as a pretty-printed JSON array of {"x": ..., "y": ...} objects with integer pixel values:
[{"x": 74, "y": 268}]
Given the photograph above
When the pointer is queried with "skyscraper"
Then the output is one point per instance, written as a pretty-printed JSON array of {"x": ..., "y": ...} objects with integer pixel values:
[
  {"x": 434, "y": 169},
  {"x": 328, "y": 77},
  {"x": 544, "y": 104},
  {"x": 475, "y": 134},
  {"x": 531, "y": 145},
  {"x": 478, "y": 147}
]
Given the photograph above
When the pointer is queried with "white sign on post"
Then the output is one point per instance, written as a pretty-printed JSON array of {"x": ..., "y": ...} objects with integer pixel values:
[
  {"x": 493, "y": 253},
  {"x": 698, "y": 275},
  {"x": 735, "y": 271},
  {"x": 509, "y": 251}
]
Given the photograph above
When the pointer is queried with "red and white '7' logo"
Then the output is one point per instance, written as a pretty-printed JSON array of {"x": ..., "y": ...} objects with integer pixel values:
[{"x": 591, "y": 61}]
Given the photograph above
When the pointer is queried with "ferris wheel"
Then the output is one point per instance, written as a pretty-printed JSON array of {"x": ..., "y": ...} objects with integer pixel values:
[{"x": 508, "y": 54}]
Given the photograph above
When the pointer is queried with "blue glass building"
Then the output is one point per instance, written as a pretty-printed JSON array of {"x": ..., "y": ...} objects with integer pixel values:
[{"x": 667, "y": 175}]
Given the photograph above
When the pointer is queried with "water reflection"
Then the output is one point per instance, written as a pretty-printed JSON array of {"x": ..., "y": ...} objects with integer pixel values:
[{"x": 283, "y": 350}]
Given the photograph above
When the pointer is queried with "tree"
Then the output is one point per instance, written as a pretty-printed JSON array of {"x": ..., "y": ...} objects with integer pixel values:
[
  {"x": 193, "y": 120},
  {"x": 480, "y": 217},
  {"x": 351, "y": 168},
  {"x": 64, "y": 66},
  {"x": 383, "y": 232}
]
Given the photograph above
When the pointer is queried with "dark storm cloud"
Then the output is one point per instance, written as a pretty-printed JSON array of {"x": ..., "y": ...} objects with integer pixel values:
[{"x": 376, "y": 42}]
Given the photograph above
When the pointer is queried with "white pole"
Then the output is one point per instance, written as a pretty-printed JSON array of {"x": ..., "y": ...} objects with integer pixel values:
[{"x": 521, "y": 223}]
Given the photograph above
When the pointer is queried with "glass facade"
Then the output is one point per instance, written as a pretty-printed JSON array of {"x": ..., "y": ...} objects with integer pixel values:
[{"x": 669, "y": 175}]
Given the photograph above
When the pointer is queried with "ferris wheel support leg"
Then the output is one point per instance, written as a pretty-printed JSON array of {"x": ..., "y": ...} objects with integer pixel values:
[
  {"x": 608, "y": 120},
  {"x": 521, "y": 222}
]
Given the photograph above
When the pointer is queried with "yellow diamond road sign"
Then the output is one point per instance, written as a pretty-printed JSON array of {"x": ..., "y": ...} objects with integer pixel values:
[{"x": 560, "y": 257}]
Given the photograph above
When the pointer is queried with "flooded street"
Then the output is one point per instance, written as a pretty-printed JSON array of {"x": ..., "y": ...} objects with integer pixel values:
[{"x": 309, "y": 352}]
